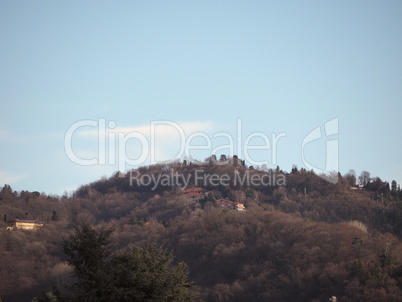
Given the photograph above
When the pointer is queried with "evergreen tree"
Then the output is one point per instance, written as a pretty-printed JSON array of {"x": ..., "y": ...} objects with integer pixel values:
[
  {"x": 140, "y": 274},
  {"x": 54, "y": 216},
  {"x": 146, "y": 274},
  {"x": 393, "y": 186},
  {"x": 88, "y": 252}
]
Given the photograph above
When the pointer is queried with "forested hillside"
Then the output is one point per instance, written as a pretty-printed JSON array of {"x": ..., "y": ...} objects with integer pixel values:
[{"x": 301, "y": 238}]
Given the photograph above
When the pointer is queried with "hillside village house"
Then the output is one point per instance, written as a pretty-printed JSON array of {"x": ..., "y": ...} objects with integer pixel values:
[
  {"x": 230, "y": 205},
  {"x": 195, "y": 190},
  {"x": 20, "y": 224},
  {"x": 194, "y": 194}
]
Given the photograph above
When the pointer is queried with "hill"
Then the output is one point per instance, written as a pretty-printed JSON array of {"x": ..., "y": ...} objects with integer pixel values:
[{"x": 300, "y": 238}]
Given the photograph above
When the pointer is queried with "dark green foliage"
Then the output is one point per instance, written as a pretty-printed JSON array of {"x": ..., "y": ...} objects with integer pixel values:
[
  {"x": 393, "y": 186},
  {"x": 54, "y": 216},
  {"x": 209, "y": 197},
  {"x": 147, "y": 274},
  {"x": 140, "y": 274},
  {"x": 88, "y": 252}
]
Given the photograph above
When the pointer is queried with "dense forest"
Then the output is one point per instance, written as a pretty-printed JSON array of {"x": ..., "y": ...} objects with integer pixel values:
[{"x": 301, "y": 237}]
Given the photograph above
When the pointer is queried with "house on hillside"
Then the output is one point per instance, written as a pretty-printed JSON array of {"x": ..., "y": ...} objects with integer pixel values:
[
  {"x": 195, "y": 190},
  {"x": 230, "y": 205},
  {"x": 194, "y": 194},
  {"x": 239, "y": 206},
  {"x": 19, "y": 224}
]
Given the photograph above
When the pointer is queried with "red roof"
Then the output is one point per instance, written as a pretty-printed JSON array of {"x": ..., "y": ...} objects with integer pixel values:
[
  {"x": 228, "y": 203},
  {"x": 195, "y": 189},
  {"x": 222, "y": 200}
]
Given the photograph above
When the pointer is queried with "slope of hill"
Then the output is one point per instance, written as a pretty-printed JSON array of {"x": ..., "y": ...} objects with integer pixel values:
[{"x": 301, "y": 237}]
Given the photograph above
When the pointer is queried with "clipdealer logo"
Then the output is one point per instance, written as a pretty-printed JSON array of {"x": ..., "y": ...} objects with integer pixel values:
[
  {"x": 113, "y": 142},
  {"x": 331, "y": 129}
]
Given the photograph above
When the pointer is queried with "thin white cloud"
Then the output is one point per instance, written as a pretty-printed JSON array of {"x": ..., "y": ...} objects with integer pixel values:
[
  {"x": 160, "y": 127},
  {"x": 9, "y": 178},
  {"x": 145, "y": 144}
]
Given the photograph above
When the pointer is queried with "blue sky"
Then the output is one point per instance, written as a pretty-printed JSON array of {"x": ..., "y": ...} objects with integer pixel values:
[{"x": 280, "y": 67}]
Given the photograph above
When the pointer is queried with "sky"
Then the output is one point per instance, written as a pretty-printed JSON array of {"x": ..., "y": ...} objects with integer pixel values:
[{"x": 88, "y": 88}]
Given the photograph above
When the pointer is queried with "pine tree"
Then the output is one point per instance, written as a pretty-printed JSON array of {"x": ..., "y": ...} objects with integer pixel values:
[
  {"x": 140, "y": 274},
  {"x": 54, "y": 216}
]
